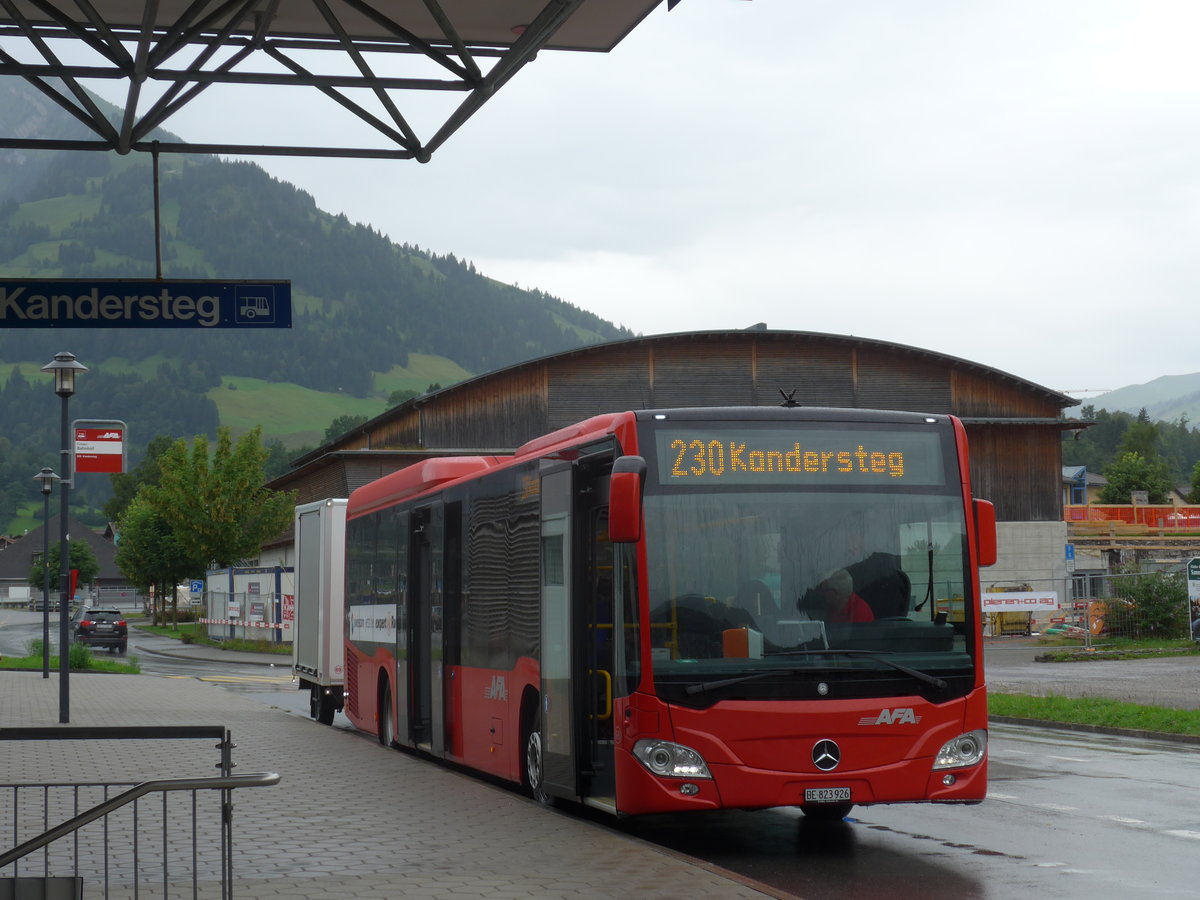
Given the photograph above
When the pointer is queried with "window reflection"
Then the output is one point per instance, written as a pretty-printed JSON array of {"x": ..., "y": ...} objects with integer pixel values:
[{"x": 743, "y": 578}]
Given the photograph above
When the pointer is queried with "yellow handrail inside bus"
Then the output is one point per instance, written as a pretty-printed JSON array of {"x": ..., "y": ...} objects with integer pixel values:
[{"x": 608, "y": 706}]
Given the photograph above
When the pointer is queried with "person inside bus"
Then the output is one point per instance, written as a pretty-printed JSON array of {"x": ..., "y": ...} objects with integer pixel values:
[{"x": 834, "y": 600}]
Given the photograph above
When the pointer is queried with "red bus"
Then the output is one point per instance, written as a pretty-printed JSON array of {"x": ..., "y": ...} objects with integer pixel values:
[{"x": 684, "y": 609}]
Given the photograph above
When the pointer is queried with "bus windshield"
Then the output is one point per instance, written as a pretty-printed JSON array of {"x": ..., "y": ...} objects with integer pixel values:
[{"x": 804, "y": 592}]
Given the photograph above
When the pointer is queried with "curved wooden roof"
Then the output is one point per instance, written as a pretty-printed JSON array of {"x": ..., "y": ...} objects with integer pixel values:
[{"x": 760, "y": 334}]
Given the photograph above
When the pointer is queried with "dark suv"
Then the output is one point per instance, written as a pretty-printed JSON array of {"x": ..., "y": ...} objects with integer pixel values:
[{"x": 98, "y": 627}]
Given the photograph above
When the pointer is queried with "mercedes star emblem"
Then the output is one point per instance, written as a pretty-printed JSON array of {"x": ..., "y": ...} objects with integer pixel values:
[{"x": 826, "y": 755}]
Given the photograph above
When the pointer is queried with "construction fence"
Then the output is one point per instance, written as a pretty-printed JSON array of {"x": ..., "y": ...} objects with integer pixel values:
[
  {"x": 252, "y": 603},
  {"x": 1098, "y": 608},
  {"x": 1162, "y": 516}
]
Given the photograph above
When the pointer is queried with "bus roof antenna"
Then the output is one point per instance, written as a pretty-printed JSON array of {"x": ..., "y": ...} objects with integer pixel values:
[{"x": 789, "y": 398}]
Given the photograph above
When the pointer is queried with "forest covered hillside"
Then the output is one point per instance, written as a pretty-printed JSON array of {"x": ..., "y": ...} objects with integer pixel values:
[{"x": 370, "y": 316}]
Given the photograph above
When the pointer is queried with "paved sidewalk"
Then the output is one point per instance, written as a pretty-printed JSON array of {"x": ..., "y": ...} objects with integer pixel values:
[{"x": 349, "y": 818}]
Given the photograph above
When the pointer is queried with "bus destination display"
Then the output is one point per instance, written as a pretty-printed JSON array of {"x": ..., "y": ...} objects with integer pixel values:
[{"x": 796, "y": 456}]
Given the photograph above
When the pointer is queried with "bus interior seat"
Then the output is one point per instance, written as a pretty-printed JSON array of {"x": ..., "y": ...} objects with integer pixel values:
[
  {"x": 702, "y": 623},
  {"x": 879, "y": 580}
]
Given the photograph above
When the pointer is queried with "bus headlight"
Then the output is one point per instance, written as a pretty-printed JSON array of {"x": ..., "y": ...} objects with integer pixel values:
[
  {"x": 670, "y": 760},
  {"x": 965, "y": 750}
]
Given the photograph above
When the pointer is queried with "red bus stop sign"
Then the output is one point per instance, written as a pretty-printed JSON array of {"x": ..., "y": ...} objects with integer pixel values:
[{"x": 99, "y": 447}]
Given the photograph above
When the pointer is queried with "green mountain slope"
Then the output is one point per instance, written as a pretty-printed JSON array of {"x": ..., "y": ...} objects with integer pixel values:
[{"x": 370, "y": 316}]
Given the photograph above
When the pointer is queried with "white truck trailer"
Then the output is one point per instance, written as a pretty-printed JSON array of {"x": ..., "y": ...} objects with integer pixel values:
[{"x": 318, "y": 648}]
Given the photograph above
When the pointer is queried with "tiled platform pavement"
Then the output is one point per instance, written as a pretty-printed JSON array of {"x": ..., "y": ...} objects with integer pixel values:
[{"x": 349, "y": 819}]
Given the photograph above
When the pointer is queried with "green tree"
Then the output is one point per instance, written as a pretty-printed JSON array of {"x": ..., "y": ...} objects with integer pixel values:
[
  {"x": 218, "y": 508},
  {"x": 279, "y": 458},
  {"x": 127, "y": 484},
  {"x": 151, "y": 555},
  {"x": 1194, "y": 496},
  {"x": 1133, "y": 472},
  {"x": 341, "y": 425},
  {"x": 1141, "y": 436},
  {"x": 80, "y": 557},
  {"x": 401, "y": 395}
]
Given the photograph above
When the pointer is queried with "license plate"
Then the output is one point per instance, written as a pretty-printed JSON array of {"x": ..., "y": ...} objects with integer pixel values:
[
  {"x": 827, "y": 795},
  {"x": 103, "y": 627}
]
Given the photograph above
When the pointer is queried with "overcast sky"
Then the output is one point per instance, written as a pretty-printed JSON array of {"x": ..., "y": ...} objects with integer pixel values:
[{"x": 1016, "y": 183}]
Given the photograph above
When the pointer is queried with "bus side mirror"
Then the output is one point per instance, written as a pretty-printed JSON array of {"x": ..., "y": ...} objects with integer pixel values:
[
  {"x": 625, "y": 499},
  {"x": 985, "y": 532}
]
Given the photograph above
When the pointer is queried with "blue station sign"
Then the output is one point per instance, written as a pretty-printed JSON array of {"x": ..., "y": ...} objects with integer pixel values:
[{"x": 149, "y": 303}]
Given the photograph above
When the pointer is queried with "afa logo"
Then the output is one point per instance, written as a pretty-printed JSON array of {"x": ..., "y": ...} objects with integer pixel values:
[
  {"x": 900, "y": 716},
  {"x": 497, "y": 690}
]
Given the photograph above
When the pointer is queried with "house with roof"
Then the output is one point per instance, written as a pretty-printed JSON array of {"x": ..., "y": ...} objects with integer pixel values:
[
  {"x": 110, "y": 588},
  {"x": 1081, "y": 487}
]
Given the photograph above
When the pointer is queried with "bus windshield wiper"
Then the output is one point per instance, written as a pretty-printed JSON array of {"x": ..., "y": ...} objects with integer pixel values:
[
  {"x": 879, "y": 655},
  {"x": 701, "y": 686}
]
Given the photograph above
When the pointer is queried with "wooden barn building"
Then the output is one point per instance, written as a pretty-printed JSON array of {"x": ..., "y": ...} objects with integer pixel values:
[{"x": 1014, "y": 426}]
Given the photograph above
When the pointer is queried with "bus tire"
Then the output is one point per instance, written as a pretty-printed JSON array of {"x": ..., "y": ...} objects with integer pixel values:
[
  {"x": 387, "y": 733},
  {"x": 533, "y": 761}
]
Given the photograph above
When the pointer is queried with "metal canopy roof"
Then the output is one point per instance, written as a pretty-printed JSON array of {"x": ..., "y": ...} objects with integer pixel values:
[{"x": 364, "y": 55}]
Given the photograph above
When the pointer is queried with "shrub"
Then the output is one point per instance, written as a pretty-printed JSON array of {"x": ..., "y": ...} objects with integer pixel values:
[
  {"x": 80, "y": 657},
  {"x": 1155, "y": 606}
]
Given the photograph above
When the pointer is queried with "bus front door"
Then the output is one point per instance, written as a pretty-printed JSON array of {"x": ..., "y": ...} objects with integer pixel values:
[
  {"x": 597, "y": 670},
  {"x": 576, "y": 701}
]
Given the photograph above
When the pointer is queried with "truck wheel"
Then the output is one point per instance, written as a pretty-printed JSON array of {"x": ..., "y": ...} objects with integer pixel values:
[{"x": 326, "y": 707}]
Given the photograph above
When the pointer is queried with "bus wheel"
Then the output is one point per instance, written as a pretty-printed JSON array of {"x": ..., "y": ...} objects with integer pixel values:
[
  {"x": 387, "y": 733},
  {"x": 832, "y": 812},
  {"x": 534, "y": 771}
]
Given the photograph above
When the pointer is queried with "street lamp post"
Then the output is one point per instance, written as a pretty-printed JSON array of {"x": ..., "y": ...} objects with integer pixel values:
[
  {"x": 47, "y": 478},
  {"x": 64, "y": 367}
]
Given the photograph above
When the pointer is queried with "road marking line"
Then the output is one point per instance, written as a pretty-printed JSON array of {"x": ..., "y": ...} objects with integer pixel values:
[
  {"x": 1057, "y": 808},
  {"x": 236, "y": 679},
  {"x": 1124, "y": 820},
  {"x": 1194, "y": 835}
]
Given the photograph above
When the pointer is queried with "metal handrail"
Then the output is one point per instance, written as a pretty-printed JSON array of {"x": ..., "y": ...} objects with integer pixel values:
[{"x": 225, "y": 782}]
